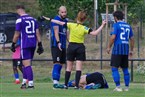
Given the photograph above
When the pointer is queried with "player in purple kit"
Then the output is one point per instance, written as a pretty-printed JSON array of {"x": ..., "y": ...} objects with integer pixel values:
[{"x": 28, "y": 32}]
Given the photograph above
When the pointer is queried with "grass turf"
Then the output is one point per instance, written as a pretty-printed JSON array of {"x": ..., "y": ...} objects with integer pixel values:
[{"x": 46, "y": 90}]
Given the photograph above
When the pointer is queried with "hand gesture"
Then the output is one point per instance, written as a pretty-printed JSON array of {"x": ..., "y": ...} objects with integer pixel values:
[{"x": 104, "y": 22}]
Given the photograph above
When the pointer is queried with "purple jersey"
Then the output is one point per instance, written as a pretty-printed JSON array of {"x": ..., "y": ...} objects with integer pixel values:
[{"x": 27, "y": 26}]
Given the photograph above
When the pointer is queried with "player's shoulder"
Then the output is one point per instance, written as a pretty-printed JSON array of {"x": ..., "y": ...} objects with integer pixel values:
[
  {"x": 57, "y": 17},
  {"x": 124, "y": 24},
  {"x": 71, "y": 23},
  {"x": 19, "y": 20}
]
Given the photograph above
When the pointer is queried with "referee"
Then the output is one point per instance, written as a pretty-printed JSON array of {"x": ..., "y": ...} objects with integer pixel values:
[{"x": 76, "y": 49}]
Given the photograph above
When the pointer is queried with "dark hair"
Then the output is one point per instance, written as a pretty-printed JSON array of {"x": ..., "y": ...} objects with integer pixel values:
[
  {"x": 119, "y": 15},
  {"x": 20, "y": 7}
]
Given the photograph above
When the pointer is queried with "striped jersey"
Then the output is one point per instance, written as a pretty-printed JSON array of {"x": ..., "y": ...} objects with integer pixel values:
[
  {"x": 62, "y": 33},
  {"x": 123, "y": 32}
]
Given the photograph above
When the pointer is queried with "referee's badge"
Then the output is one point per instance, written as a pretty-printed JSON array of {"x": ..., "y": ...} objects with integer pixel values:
[{"x": 86, "y": 28}]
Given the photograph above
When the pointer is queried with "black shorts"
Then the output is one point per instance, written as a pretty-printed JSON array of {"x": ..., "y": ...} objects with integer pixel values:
[
  {"x": 76, "y": 51},
  {"x": 17, "y": 62},
  {"x": 119, "y": 61},
  {"x": 58, "y": 56},
  {"x": 96, "y": 78}
]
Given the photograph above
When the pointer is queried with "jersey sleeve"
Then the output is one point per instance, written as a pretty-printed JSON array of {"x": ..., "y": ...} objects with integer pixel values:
[
  {"x": 114, "y": 30},
  {"x": 54, "y": 24},
  {"x": 18, "y": 24},
  {"x": 36, "y": 24}
]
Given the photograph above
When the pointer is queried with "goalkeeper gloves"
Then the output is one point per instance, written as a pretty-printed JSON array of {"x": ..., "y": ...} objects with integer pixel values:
[
  {"x": 40, "y": 49},
  {"x": 13, "y": 47}
]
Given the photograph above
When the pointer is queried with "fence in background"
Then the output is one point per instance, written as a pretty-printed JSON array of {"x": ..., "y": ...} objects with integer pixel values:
[{"x": 131, "y": 60}]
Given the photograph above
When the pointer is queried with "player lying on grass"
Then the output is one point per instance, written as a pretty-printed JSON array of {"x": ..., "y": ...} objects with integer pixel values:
[{"x": 90, "y": 81}]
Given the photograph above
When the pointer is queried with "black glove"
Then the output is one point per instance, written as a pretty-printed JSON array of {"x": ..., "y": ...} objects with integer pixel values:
[
  {"x": 13, "y": 47},
  {"x": 40, "y": 49}
]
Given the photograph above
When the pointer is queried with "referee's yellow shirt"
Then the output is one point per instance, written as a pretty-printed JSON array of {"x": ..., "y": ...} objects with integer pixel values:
[{"x": 77, "y": 32}]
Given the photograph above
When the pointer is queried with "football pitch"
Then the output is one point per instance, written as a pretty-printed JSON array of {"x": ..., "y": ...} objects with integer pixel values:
[{"x": 46, "y": 90}]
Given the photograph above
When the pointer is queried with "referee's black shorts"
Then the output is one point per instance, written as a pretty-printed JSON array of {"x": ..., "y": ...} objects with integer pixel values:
[
  {"x": 119, "y": 61},
  {"x": 76, "y": 51}
]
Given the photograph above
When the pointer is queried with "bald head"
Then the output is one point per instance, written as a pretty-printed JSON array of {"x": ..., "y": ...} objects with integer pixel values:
[
  {"x": 62, "y": 12},
  {"x": 62, "y": 8}
]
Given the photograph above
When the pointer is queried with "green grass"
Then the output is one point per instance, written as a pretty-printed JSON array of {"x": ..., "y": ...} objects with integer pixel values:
[{"x": 45, "y": 90}]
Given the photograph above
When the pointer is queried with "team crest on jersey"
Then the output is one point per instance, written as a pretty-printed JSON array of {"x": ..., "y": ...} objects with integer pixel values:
[{"x": 64, "y": 30}]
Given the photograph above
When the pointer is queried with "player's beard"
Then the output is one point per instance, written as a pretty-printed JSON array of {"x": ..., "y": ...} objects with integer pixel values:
[{"x": 63, "y": 17}]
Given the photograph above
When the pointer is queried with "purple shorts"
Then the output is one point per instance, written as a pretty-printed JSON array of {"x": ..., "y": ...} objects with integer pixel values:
[{"x": 27, "y": 53}]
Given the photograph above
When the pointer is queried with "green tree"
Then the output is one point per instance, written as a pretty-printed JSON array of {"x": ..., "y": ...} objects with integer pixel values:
[{"x": 49, "y": 7}]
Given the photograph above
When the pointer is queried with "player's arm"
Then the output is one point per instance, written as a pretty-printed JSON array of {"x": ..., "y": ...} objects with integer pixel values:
[
  {"x": 16, "y": 36},
  {"x": 82, "y": 82},
  {"x": 131, "y": 46},
  {"x": 96, "y": 32},
  {"x": 56, "y": 33},
  {"x": 54, "y": 21},
  {"x": 111, "y": 42},
  {"x": 38, "y": 35},
  {"x": 56, "y": 30},
  {"x": 112, "y": 38},
  {"x": 40, "y": 49},
  {"x": 88, "y": 86},
  {"x": 131, "y": 43}
]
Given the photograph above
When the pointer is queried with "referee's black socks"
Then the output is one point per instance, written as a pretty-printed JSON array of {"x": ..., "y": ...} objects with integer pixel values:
[
  {"x": 77, "y": 77},
  {"x": 67, "y": 76}
]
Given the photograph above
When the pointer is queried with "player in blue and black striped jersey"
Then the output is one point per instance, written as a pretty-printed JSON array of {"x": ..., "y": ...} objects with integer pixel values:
[
  {"x": 120, "y": 35},
  {"x": 58, "y": 45}
]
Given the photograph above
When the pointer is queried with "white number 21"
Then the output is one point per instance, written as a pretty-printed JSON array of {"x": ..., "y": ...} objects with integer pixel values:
[{"x": 30, "y": 26}]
